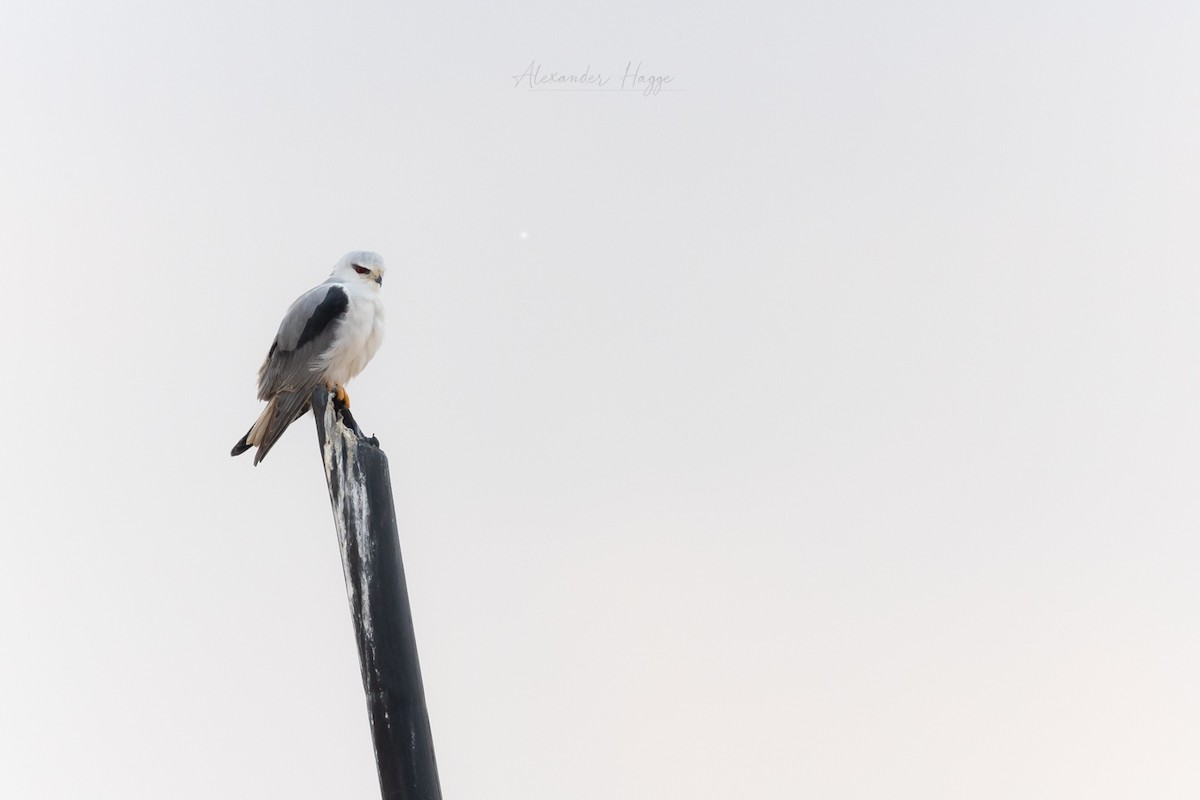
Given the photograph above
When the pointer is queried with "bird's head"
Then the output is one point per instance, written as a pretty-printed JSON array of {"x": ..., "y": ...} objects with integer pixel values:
[{"x": 361, "y": 266}]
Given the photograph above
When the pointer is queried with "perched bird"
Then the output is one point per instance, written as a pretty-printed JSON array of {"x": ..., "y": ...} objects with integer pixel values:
[{"x": 326, "y": 337}]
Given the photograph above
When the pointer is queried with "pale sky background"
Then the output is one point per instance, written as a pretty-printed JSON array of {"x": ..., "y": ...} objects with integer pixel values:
[{"x": 832, "y": 432}]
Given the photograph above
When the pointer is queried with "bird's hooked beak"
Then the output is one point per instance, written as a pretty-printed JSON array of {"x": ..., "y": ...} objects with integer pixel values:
[{"x": 379, "y": 279}]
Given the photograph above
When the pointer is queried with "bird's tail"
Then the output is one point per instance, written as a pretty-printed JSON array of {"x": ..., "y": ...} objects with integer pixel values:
[{"x": 283, "y": 409}]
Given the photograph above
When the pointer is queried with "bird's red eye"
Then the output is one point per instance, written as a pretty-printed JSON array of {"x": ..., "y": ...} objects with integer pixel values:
[{"x": 361, "y": 270}]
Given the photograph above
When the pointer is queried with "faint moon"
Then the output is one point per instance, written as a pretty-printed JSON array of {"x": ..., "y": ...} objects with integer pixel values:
[{"x": 524, "y": 234}]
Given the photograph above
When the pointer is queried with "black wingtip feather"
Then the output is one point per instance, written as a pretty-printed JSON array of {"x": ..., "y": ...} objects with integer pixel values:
[
  {"x": 290, "y": 406},
  {"x": 241, "y": 446}
]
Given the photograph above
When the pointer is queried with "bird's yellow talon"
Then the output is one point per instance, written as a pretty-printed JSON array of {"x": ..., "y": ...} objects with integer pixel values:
[{"x": 342, "y": 397}]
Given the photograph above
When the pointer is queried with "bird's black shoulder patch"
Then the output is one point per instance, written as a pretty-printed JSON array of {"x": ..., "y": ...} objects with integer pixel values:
[{"x": 330, "y": 309}]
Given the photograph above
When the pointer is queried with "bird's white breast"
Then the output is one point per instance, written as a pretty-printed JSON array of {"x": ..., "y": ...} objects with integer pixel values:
[{"x": 358, "y": 336}]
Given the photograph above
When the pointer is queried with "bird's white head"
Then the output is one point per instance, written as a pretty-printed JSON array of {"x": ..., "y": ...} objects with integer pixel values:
[{"x": 360, "y": 267}]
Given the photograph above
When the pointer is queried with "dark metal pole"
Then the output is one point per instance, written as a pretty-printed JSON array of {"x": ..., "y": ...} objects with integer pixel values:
[{"x": 360, "y": 490}]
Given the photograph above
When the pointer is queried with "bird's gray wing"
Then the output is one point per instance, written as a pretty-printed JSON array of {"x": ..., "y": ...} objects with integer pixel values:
[{"x": 307, "y": 330}]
